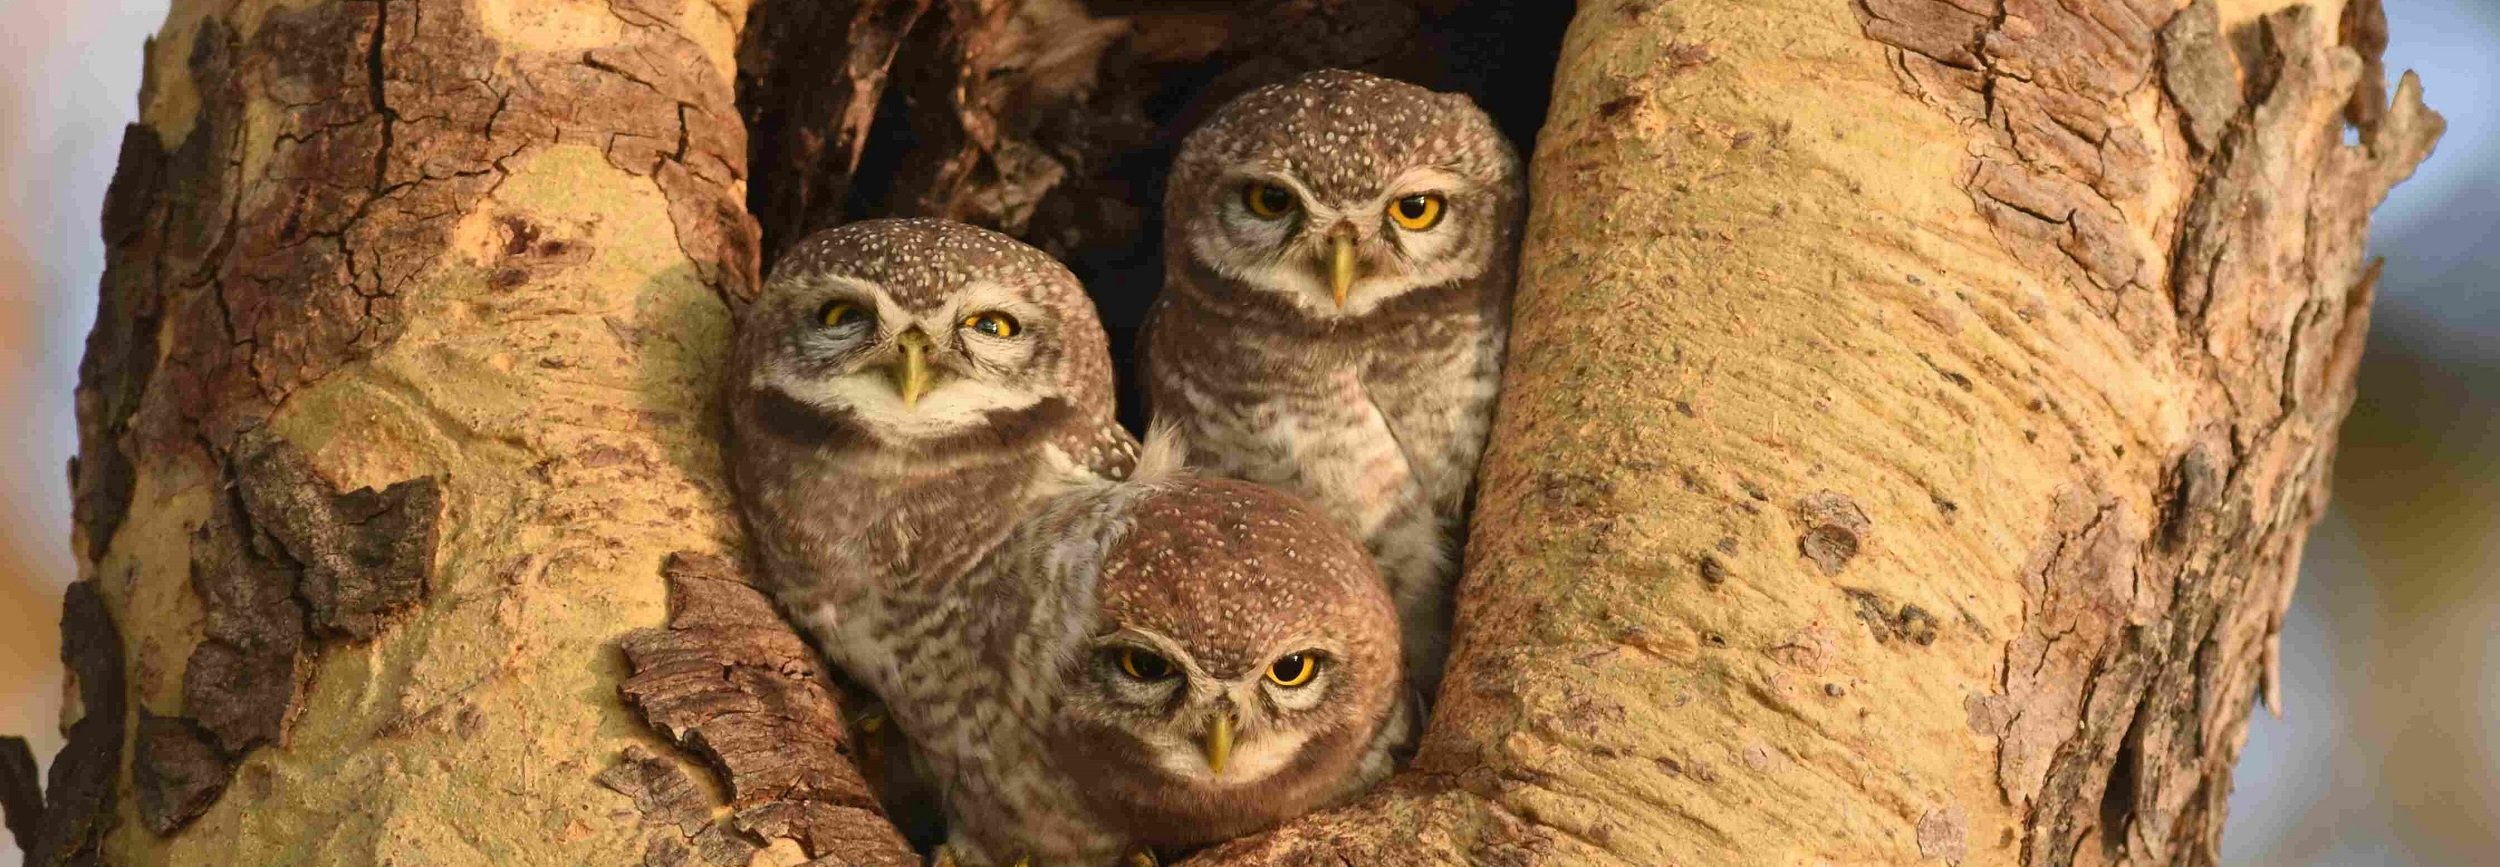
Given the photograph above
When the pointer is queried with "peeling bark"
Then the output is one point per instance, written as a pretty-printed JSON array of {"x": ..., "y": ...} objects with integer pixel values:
[
  {"x": 2126, "y": 236},
  {"x": 403, "y": 356},
  {"x": 728, "y": 680},
  {"x": 21, "y": 790},
  {"x": 2157, "y": 609},
  {"x": 78, "y": 796},
  {"x": 176, "y": 773},
  {"x": 282, "y": 566},
  {"x": 1916, "y": 409},
  {"x": 1834, "y": 530}
]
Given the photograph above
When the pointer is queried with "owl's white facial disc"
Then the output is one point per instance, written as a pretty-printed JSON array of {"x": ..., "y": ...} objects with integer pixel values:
[
  {"x": 976, "y": 357},
  {"x": 1254, "y": 757},
  {"x": 1290, "y": 253}
]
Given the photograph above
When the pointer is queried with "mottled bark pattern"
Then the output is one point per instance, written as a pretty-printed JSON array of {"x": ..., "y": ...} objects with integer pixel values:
[
  {"x": 730, "y": 681},
  {"x": 282, "y": 561},
  {"x": 289, "y": 263},
  {"x": 2043, "y": 314},
  {"x": 65, "y": 827},
  {"x": 300, "y": 514},
  {"x": 1914, "y": 414},
  {"x": 2155, "y": 610}
]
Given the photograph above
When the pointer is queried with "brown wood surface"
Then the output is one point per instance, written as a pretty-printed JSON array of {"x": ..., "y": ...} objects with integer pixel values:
[{"x": 1916, "y": 411}]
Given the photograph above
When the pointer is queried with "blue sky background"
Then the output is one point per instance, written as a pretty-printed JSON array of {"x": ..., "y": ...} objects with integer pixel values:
[{"x": 2386, "y": 754}]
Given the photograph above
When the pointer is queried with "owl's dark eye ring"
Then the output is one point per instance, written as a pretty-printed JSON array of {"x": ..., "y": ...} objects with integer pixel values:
[
  {"x": 1268, "y": 201},
  {"x": 1142, "y": 664},
  {"x": 1293, "y": 669},
  {"x": 844, "y": 314},
  {"x": 993, "y": 323},
  {"x": 1417, "y": 212}
]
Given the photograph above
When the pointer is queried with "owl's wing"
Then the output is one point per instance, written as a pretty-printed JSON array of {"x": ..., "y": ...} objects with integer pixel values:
[
  {"x": 1439, "y": 421},
  {"x": 1057, "y": 557},
  {"x": 1106, "y": 449},
  {"x": 1403, "y": 430}
]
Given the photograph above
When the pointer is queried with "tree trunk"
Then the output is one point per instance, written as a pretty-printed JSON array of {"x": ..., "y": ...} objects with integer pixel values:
[
  {"x": 1914, "y": 417},
  {"x": 399, "y": 397},
  {"x": 1916, "y": 409}
]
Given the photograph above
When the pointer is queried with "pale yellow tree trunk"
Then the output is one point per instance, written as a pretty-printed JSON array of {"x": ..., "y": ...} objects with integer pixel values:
[
  {"x": 1915, "y": 414},
  {"x": 476, "y": 257},
  {"x": 1916, "y": 410}
]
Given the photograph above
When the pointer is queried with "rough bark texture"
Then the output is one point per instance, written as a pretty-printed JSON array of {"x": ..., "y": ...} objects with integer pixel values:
[
  {"x": 1916, "y": 410},
  {"x": 1915, "y": 413},
  {"x": 399, "y": 396},
  {"x": 727, "y": 679},
  {"x": 77, "y": 800}
]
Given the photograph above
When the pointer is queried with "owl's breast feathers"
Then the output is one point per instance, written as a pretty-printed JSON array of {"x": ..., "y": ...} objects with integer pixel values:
[{"x": 1254, "y": 382}]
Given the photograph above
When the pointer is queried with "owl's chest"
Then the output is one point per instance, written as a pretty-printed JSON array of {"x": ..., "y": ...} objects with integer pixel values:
[{"x": 1340, "y": 397}]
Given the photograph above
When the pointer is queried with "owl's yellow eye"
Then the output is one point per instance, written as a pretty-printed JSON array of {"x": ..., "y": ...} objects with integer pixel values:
[
  {"x": 839, "y": 314},
  {"x": 1416, "y": 213},
  {"x": 1268, "y": 201},
  {"x": 994, "y": 324},
  {"x": 1143, "y": 665},
  {"x": 1293, "y": 669}
]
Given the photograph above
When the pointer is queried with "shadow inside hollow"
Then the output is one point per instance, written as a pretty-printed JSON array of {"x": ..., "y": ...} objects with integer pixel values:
[{"x": 1100, "y": 208}]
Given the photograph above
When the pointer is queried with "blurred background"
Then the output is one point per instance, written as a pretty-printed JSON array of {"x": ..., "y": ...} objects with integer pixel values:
[{"x": 2389, "y": 749}]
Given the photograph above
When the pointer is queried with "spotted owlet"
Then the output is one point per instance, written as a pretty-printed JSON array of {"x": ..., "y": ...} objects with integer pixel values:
[
  {"x": 1084, "y": 663},
  {"x": 1226, "y": 658},
  {"x": 1339, "y": 256}
]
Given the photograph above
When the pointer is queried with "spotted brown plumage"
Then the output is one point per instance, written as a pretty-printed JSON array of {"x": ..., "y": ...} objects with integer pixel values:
[
  {"x": 1233, "y": 581},
  {"x": 1347, "y": 348},
  {"x": 927, "y": 268},
  {"x": 924, "y": 453}
]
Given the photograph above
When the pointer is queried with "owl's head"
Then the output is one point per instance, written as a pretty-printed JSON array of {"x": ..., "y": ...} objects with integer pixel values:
[
  {"x": 908, "y": 333},
  {"x": 1244, "y": 662},
  {"x": 1339, "y": 191}
]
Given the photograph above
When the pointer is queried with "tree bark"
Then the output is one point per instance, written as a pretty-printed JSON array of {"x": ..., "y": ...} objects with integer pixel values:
[
  {"x": 398, "y": 399},
  {"x": 1915, "y": 412}
]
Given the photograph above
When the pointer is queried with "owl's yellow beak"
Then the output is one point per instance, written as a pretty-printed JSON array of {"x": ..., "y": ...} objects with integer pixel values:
[
  {"x": 1220, "y": 743},
  {"x": 1340, "y": 266},
  {"x": 911, "y": 377}
]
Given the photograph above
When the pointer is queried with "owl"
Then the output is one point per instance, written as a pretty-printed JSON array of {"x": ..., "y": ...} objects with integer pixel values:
[
  {"x": 1222, "y": 657},
  {"x": 1339, "y": 257},
  {"x": 1087, "y": 658}
]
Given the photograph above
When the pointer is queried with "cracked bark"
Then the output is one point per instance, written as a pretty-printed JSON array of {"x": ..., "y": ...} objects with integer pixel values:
[
  {"x": 2047, "y": 336},
  {"x": 1939, "y": 502},
  {"x": 398, "y": 398},
  {"x": 726, "y": 678}
]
